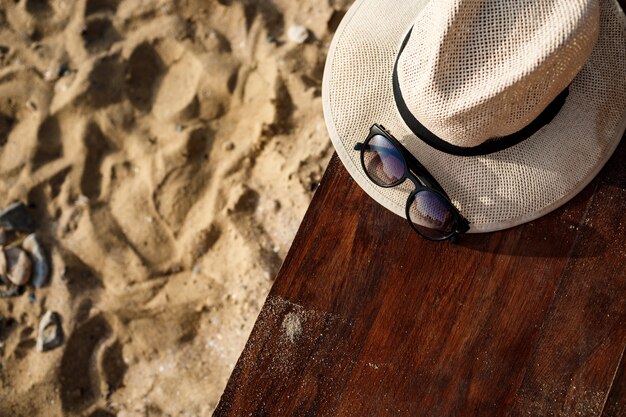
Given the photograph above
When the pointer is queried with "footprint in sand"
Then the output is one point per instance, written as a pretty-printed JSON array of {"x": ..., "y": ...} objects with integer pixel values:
[
  {"x": 99, "y": 34},
  {"x": 97, "y": 84},
  {"x": 6, "y": 124},
  {"x": 88, "y": 358},
  {"x": 176, "y": 85},
  {"x": 99, "y": 31},
  {"x": 241, "y": 207},
  {"x": 106, "y": 82},
  {"x": 57, "y": 133},
  {"x": 162, "y": 77},
  {"x": 19, "y": 120},
  {"x": 40, "y": 9},
  {"x": 145, "y": 68},
  {"x": 176, "y": 99},
  {"x": 98, "y": 6},
  {"x": 49, "y": 144},
  {"x": 187, "y": 177},
  {"x": 97, "y": 147}
]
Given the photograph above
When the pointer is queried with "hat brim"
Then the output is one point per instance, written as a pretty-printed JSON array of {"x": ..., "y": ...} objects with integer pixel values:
[{"x": 495, "y": 191}]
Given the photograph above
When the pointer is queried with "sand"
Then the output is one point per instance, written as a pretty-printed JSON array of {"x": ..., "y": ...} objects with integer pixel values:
[{"x": 168, "y": 152}]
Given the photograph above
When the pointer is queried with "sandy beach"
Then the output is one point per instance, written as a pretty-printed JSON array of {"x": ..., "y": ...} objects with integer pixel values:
[{"x": 167, "y": 152}]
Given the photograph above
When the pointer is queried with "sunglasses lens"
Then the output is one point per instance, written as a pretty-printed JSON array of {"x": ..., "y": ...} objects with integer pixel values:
[
  {"x": 383, "y": 162},
  {"x": 431, "y": 215}
]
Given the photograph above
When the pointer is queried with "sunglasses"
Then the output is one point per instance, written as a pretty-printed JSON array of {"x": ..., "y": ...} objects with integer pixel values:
[{"x": 429, "y": 210}]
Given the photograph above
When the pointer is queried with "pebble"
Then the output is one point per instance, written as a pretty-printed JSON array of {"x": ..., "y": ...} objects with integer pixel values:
[
  {"x": 16, "y": 217},
  {"x": 41, "y": 269},
  {"x": 48, "y": 75},
  {"x": 63, "y": 71},
  {"x": 19, "y": 266},
  {"x": 298, "y": 34},
  {"x": 50, "y": 332}
]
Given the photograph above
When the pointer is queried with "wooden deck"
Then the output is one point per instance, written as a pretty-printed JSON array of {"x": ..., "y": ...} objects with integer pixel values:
[{"x": 368, "y": 319}]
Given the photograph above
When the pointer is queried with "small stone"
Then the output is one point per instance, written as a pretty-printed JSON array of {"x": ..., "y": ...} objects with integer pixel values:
[
  {"x": 50, "y": 332},
  {"x": 16, "y": 217},
  {"x": 19, "y": 266},
  {"x": 63, "y": 71},
  {"x": 271, "y": 39},
  {"x": 41, "y": 269},
  {"x": 229, "y": 146},
  {"x": 32, "y": 298},
  {"x": 49, "y": 75},
  {"x": 298, "y": 34}
]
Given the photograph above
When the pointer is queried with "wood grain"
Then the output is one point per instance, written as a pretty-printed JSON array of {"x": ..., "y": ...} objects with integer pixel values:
[{"x": 368, "y": 319}]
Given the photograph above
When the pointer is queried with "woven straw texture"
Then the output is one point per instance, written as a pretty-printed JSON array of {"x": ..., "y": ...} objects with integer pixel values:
[
  {"x": 474, "y": 70},
  {"x": 512, "y": 186}
]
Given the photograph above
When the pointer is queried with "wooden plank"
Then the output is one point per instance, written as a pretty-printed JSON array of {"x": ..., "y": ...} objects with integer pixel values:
[
  {"x": 368, "y": 319},
  {"x": 616, "y": 402},
  {"x": 583, "y": 337}
]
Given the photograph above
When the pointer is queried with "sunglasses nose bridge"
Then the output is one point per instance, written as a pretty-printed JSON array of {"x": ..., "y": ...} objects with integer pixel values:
[{"x": 413, "y": 178}]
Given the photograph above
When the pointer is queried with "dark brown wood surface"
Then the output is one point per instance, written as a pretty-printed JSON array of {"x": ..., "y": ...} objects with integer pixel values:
[{"x": 368, "y": 319}]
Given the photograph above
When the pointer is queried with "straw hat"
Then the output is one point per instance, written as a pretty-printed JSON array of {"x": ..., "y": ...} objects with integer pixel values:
[{"x": 514, "y": 106}]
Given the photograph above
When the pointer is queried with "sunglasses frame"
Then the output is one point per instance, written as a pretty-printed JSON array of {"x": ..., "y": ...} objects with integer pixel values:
[{"x": 421, "y": 179}]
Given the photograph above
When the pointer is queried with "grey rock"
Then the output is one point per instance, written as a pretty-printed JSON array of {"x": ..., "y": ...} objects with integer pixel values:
[
  {"x": 41, "y": 270},
  {"x": 50, "y": 332},
  {"x": 17, "y": 217}
]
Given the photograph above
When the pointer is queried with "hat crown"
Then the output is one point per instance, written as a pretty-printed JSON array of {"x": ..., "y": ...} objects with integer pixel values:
[{"x": 477, "y": 70}]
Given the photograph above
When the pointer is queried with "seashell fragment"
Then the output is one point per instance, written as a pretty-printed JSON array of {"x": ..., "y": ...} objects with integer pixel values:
[
  {"x": 19, "y": 266},
  {"x": 50, "y": 332},
  {"x": 40, "y": 263},
  {"x": 298, "y": 34},
  {"x": 16, "y": 217},
  {"x": 3, "y": 266}
]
